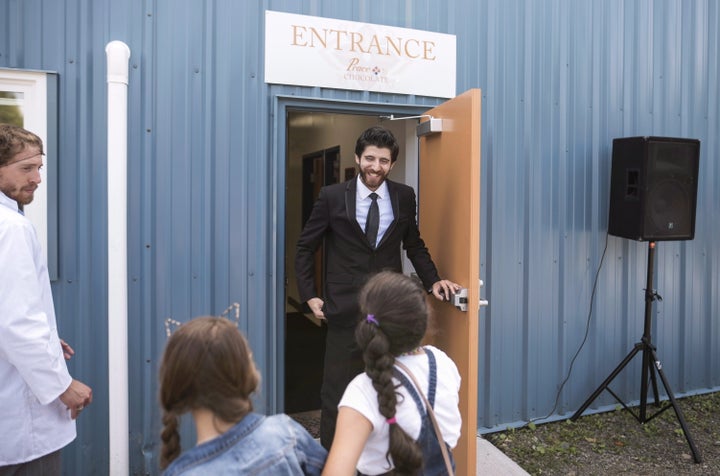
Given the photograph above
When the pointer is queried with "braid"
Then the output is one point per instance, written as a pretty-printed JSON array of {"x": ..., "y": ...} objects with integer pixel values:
[
  {"x": 379, "y": 362},
  {"x": 399, "y": 314},
  {"x": 170, "y": 439}
]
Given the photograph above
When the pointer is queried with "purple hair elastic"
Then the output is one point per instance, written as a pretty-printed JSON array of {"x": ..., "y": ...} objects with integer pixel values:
[
  {"x": 371, "y": 318},
  {"x": 391, "y": 421}
]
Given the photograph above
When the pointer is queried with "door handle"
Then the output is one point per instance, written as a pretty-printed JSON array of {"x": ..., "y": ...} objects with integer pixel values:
[{"x": 459, "y": 299}]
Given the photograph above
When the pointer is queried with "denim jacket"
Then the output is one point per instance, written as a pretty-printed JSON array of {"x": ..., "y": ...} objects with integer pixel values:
[{"x": 258, "y": 445}]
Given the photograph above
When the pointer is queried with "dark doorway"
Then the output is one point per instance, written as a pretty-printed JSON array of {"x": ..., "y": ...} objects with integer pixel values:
[
  {"x": 319, "y": 151},
  {"x": 305, "y": 337},
  {"x": 304, "y": 352}
]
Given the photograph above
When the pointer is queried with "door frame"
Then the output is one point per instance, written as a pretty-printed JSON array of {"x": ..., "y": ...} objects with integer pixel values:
[{"x": 281, "y": 104}]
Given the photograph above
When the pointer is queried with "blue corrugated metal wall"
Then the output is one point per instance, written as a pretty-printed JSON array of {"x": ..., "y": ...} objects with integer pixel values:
[{"x": 560, "y": 80}]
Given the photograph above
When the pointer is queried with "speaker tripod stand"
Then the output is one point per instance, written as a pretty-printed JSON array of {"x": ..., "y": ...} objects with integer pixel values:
[{"x": 651, "y": 367}]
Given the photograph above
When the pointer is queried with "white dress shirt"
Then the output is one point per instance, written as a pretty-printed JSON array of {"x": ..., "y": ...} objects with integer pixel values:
[
  {"x": 33, "y": 373},
  {"x": 362, "y": 205}
]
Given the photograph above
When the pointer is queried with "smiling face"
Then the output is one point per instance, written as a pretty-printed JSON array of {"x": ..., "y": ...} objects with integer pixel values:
[
  {"x": 375, "y": 164},
  {"x": 20, "y": 177}
]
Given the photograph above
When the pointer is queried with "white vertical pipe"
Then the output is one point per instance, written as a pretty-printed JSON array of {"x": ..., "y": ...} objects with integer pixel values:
[{"x": 118, "y": 55}]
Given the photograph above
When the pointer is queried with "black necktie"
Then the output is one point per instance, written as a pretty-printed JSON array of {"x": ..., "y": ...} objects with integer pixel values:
[{"x": 373, "y": 220}]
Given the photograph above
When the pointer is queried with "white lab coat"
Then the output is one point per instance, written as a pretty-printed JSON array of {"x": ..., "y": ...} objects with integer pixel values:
[{"x": 33, "y": 374}]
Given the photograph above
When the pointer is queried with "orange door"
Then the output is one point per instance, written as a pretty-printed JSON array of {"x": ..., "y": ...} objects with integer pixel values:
[{"x": 449, "y": 219}]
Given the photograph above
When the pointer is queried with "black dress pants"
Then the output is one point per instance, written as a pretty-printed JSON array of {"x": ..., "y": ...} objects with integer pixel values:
[{"x": 343, "y": 361}]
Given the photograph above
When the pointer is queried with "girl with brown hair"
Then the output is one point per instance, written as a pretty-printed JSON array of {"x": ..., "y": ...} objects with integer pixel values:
[
  {"x": 383, "y": 426},
  {"x": 207, "y": 369}
]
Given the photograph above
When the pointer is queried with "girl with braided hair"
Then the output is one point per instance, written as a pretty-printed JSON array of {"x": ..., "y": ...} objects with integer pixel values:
[
  {"x": 382, "y": 426},
  {"x": 207, "y": 369}
]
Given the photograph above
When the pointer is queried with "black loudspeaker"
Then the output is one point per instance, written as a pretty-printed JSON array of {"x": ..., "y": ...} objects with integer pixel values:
[{"x": 653, "y": 189}]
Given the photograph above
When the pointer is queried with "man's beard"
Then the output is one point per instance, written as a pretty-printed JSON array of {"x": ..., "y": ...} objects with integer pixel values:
[
  {"x": 22, "y": 196},
  {"x": 364, "y": 177}
]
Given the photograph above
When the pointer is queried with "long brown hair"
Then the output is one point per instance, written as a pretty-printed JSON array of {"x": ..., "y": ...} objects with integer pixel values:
[
  {"x": 207, "y": 363},
  {"x": 399, "y": 312},
  {"x": 14, "y": 139}
]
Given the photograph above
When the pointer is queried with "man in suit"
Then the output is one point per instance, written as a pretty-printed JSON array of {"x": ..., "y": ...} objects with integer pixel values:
[{"x": 363, "y": 223}]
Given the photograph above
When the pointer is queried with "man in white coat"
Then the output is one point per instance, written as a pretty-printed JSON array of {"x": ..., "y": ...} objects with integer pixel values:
[{"x": 39, "y": 400}]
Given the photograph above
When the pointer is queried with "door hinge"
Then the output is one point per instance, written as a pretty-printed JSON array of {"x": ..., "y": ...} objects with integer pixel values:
[{"x": 482, "y": 302}]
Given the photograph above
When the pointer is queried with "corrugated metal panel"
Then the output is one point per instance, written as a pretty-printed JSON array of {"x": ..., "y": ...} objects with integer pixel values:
[{"x": 560, "y": 80}]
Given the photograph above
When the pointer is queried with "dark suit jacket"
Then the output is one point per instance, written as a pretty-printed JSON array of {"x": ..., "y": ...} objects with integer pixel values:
[{"x": 349, "y": 258}]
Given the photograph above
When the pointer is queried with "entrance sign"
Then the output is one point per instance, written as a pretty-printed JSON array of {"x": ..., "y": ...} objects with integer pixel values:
[{"x": 312, "y": 51}]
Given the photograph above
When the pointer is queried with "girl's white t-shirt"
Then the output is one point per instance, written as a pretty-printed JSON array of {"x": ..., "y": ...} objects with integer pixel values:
[{"x": 362, "y": 397}]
